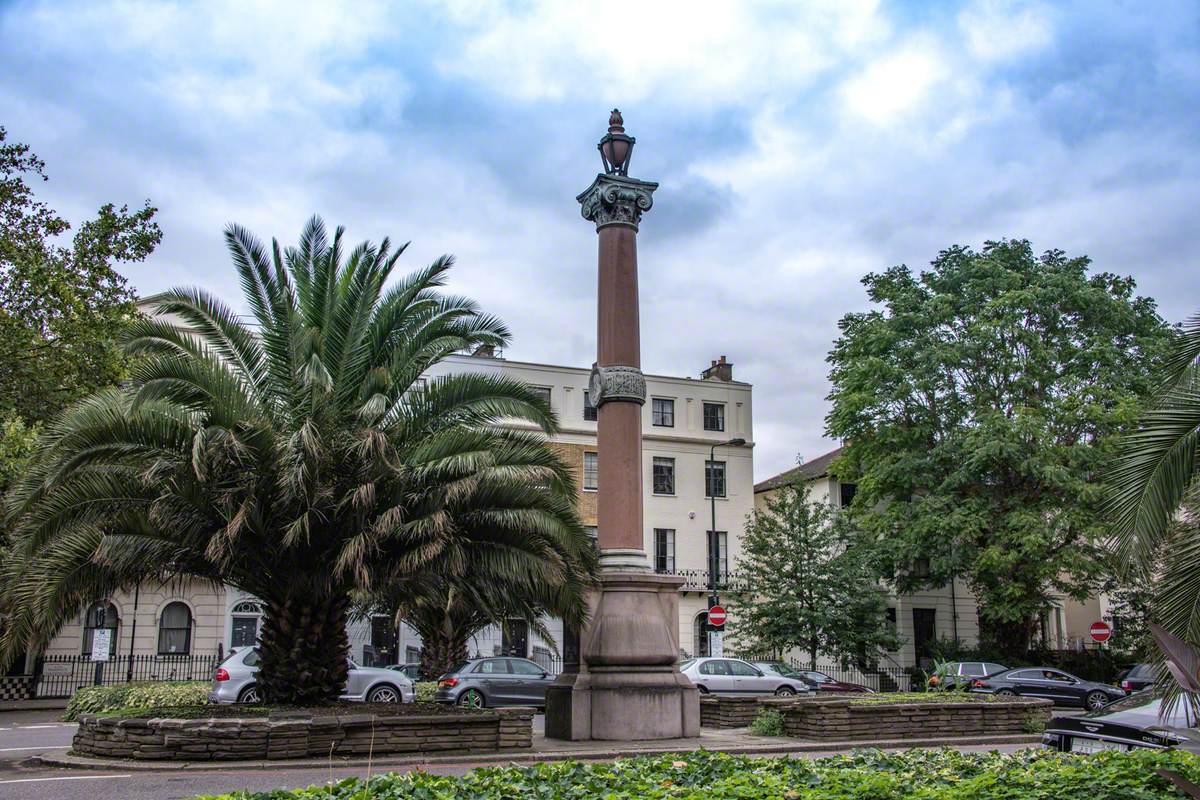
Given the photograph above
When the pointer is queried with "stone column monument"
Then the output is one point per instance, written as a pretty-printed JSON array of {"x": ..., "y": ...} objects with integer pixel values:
[{"x": 627, "y": 685}]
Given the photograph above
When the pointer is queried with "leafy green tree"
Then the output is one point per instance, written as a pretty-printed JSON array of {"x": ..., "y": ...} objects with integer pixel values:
[
  {"x": 62, "y": 308},
  {"x": 979, "y": 403},
  {"x": 1155, "y": 497},
  {"x": 301, "y": 460},
  {"x": 809, "y": 584}
]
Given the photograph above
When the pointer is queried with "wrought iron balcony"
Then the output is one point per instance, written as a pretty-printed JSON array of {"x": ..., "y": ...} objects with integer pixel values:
[{"x": 696, "y": 580}]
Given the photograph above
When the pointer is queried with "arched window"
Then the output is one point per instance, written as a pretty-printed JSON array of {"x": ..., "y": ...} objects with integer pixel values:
[
  {"x": 175, "y": 630},
  {"x": 246, "y": 616},
  {"x": 100, "y": 615}
]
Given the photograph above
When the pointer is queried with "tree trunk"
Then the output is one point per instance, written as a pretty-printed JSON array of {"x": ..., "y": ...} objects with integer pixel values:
[
  {"x": 440, "y": 653},
  {"x": 304, "y": 649},
  {"x": 812, "y": 653}
]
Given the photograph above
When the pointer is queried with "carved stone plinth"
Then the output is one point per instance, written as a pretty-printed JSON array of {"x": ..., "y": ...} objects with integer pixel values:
[{"x": 628, "y": 687}]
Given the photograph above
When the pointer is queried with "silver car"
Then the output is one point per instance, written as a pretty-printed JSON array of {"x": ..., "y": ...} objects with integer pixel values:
[
  {"x": 737, "y": 677},
  {"x": 234, "y": 682},
  {"x": 495, "y": 681}
]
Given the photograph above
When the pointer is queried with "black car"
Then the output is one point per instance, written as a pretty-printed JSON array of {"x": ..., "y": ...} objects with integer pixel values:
[
  {"x": 1134, "y": 722},
  {"x": 1140, "y": 676},
  {"x": 1049, "y": 683}
]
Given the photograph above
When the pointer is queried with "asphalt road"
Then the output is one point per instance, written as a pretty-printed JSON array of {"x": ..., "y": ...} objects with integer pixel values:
[{"x": 24, "y": 735}]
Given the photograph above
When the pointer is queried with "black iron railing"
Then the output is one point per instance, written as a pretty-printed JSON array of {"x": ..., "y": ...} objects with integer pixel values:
[
  {"x": 60, "y": 676},
  {"x": 696, "y": 580}
]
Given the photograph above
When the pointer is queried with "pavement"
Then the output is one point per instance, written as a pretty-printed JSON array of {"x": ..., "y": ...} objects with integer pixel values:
[{"x": 35, "y": 764}]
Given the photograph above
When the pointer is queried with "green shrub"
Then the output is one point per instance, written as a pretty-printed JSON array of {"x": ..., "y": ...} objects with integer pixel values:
[
  {"x": 912, "y": 775},
  {"x": 1033, "y": 724},
  {"x": 769, "y": 722},
  {"x": 135, "y": 697},
  {"x": 425, "y": 691}
]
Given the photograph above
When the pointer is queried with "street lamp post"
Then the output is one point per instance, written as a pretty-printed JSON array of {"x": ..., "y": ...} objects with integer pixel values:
[{"x": 714, "y": 544}]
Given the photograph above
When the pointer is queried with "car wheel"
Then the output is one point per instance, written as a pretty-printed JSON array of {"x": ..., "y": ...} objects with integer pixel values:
[
  {"x": 1096, "y": 700},
  {"x": 785, "y": 691},
  {"x": 249, "y": 695},
  {"x": 385, "y": 694},
  {"x": 471, "y": 698},
  {"x": 1004, "y": 693}
]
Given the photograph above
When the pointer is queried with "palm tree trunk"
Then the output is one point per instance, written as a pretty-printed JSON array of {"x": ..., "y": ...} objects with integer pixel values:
[
  {"x": 440, "y": 653},
  {"x": 304, "y": 648}
]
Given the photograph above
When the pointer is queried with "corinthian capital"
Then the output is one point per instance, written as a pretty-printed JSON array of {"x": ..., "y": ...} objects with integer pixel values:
[{"x": 616, "y": 200}]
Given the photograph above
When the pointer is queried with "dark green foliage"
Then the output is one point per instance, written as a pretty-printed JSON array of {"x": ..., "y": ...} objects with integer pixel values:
[
  {"x": 811, "y": 582},
  {"x": 862, "y": 775},
  {"x": 769, "y": 722},
  {"x": 62, "y": 308},
  {"x": 978, "y": 402},
  {"x": 303, "y": 460}
]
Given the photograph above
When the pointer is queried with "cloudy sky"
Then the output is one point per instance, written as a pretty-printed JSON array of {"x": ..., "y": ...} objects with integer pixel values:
[{"x": 799, "y": 146}]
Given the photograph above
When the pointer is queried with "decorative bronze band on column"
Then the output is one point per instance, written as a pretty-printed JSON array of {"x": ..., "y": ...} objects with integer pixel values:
[
  {"x": 616, "y": 200},
  {"x": 616, "y": 383}
]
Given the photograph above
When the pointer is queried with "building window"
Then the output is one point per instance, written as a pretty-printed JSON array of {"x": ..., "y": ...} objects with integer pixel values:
[
  {"x": 664, "y": 475},
  {"x": 543, "y": 392},
  {"x": 100, "y": 615},
  {"x": 593, "y": 533},
  {"x": 848, "y": 490},
  {"x": 714, "y": 478},
  {"x": 663, "y": 412},
  {"x": 921, "y": 568},
  {"x": 664, "y": 550},
  {"x": 175, "y": 630},
  {"x": 246, "y": 616},
  {"x": 714, "y": 416},
  {"x": 718, "y": 556},
  {"x": 589, "y": 410},
  {"x": 591, "y": 471}
]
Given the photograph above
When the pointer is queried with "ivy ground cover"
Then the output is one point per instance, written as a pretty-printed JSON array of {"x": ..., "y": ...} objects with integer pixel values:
[{"x": 863, "y": 775}]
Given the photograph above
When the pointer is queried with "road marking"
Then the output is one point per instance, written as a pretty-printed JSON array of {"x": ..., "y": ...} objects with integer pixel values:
[
  {"x": 35, "y": 727},
  {"x": 68, "y": 778},
  {"x": 43, "y": 747}
]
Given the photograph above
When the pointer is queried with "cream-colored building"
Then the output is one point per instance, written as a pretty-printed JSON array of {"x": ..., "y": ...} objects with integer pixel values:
[
  {"x": 683, "y": 418},
  {"x": 948, "y": 612}
]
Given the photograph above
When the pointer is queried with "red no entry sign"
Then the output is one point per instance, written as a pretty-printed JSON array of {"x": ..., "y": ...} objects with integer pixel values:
[
  {"x": 1100, "y": 631},
  {"x": 717, "y": 616}
]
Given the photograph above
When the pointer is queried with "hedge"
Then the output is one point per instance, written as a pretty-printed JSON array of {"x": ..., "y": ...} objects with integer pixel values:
[
  {"x": 944, "y": 774},
  {"x": 136, "y": 696}
]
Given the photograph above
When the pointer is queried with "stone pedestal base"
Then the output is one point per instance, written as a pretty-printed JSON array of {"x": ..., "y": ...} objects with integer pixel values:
[{"x": 628, "y": 687}]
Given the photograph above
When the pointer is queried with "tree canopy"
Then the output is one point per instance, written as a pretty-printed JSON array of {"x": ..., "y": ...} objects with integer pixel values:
[
  {"x": 302, "y": 460},
  {"x": 62, "y": 306},
  {"x": 809, "y": 584},
  {"x": 978, "y": 404}
]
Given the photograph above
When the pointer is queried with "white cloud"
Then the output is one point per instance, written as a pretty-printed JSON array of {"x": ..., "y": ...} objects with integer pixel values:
[
  {"x": 1003, "y": 29},
  {"x": 895, "y": 84},
  {"x": 707, "y": 51}
]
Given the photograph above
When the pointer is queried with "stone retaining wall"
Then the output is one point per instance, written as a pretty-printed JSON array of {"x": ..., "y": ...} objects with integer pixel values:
[
  {"x": 300, "y": 736},
  {"x": 838, "y": 718}
]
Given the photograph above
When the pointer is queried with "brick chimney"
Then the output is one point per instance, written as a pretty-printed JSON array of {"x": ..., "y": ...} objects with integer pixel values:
[{"x": 721, "y": 370}]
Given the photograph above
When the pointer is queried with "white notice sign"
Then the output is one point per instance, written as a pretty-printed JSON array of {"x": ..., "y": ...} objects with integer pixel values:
[
  {"x": 101, "y": 642},
  {"x": 715, "y": 647}
]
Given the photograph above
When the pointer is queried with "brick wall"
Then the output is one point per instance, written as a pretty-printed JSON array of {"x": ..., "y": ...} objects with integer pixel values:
[
  {"x": 573, "y": 455},
  {"x": 302, "y": 735}
]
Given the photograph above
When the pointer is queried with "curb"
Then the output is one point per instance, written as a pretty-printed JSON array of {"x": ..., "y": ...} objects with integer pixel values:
[{"x": 520, "y": 758}]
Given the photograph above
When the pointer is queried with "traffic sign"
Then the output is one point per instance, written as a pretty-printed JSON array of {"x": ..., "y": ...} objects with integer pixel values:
[
  {"x": 1100, "y": 631},
  {"x": 716, "y": 616}
]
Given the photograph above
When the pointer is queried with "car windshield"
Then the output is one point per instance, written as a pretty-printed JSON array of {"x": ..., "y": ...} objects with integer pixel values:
[
  {"x": 1144, "y": 710},
  {"x": 779, "y": 668},
  {"x": 684, "y": 665},
  {"x": 459, "y": 667}
]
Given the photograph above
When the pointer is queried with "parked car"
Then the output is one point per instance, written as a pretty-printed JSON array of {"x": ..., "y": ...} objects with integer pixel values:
[
  {"x": 1138, "y": 677},
  {"x": 410, "y": 671},
  {"x": 821, "y": 682},
  {"x": 1052, "y": 684},
  {"x": 734, "y": 676},
  {"x": 961, "y": 673},
  {"x": 235, "y": 682},
  {"x": 1127, "y": 724},
  {"x": 784, "y": 670},
  {"x": 496, "y": 681}
]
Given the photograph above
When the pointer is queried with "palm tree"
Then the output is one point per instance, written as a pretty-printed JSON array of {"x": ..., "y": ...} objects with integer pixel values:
[
  {"x": 301, "y": 458},
  {"x": 1155, "y": 494},
  {"x": 449, "y": 608}
]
